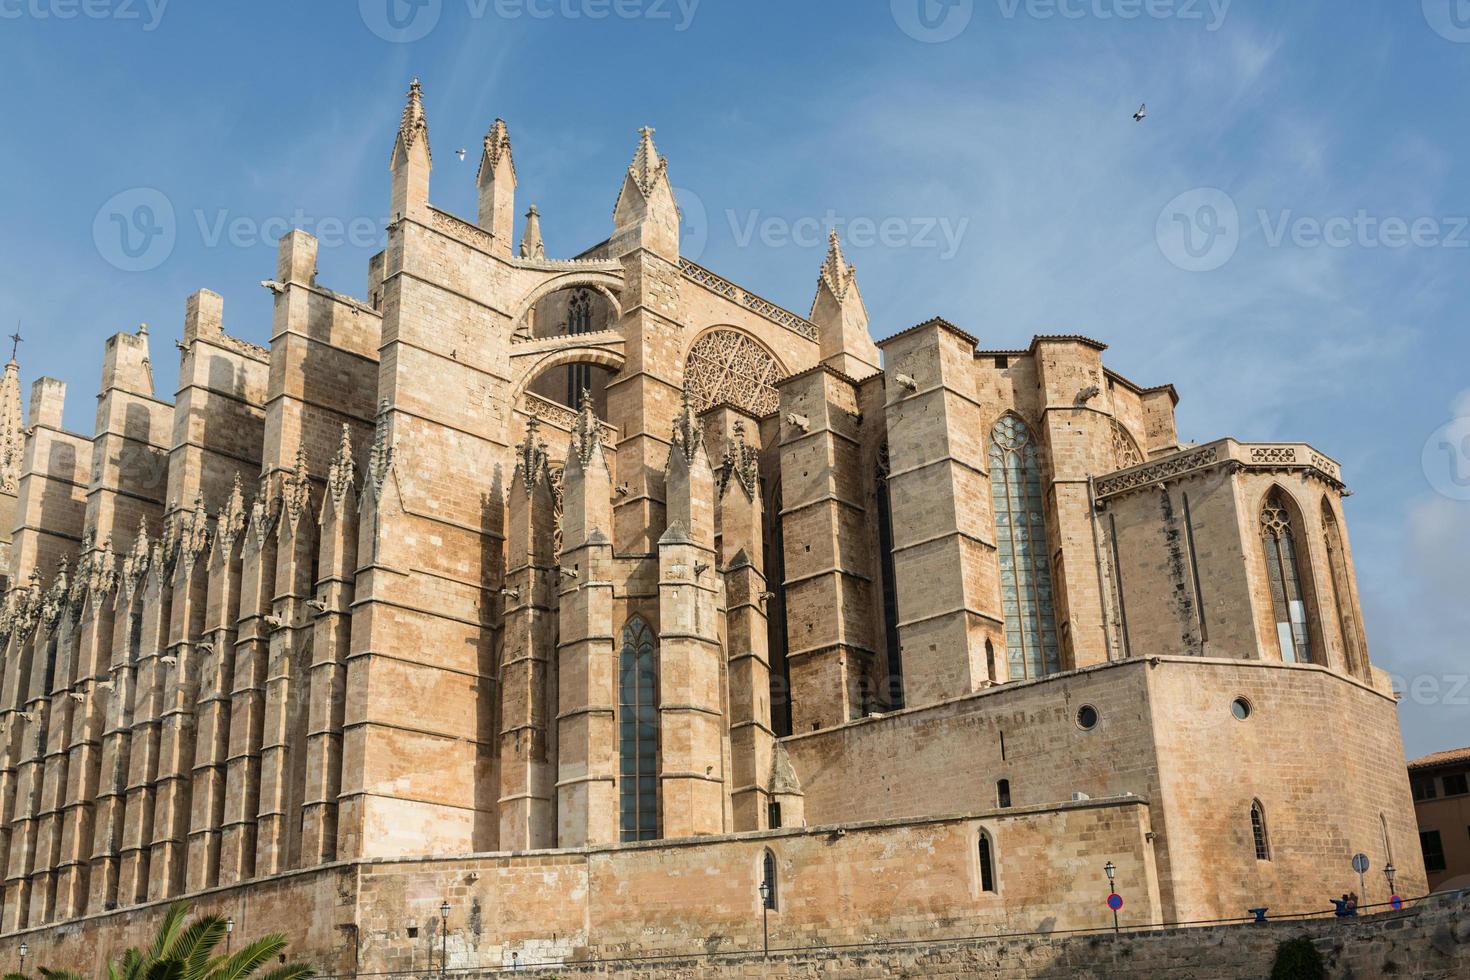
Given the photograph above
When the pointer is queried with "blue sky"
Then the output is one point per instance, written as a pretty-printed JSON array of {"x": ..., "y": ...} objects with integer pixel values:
[{"x": 1313, "y": 153}]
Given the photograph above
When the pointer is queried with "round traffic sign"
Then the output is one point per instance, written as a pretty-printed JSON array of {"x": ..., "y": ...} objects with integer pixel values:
[
  {"x": 1360, "y": 863},
  {"x": 1115, "y": 902},
  {"x": 1397, "y": 903}
]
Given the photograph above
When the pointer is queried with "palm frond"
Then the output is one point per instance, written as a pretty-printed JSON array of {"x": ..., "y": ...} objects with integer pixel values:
[
  {"x": 296, "y": 972},
  {"x": 196, "y": 943},
  {"x": 168, "y": 932},
  {"x": 250, "y": 958}
]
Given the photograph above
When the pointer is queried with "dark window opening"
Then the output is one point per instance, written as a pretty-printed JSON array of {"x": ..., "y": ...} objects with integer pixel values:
[
  {"x": 1003, "y": 794},
  {"x": 773, "y": 816},
  {"x": 1258, "y": 832},
  {"x": 768, "y": 869},
  {"x": 1455, "y": 784},
  {"x": 987, "y": 871},
  {"x": 1433, "y": 847},
  {"x": 1424, "y": 788}
]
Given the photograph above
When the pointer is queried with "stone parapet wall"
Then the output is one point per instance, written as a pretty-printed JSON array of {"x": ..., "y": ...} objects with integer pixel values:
[{"x": 1430, "y": 943}]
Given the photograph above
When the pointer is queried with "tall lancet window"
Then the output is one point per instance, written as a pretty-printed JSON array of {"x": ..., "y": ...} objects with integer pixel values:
[
  {"x": 1342, "y": 593},
  {"x": 1020, "y": 537},
  {"x": 638, "y": 733},
  {"x": 579, "y": 321},
  {"x": 1287, "y": 599}
]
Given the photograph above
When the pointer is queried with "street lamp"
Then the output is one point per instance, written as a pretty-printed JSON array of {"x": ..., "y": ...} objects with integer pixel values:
[
  {"x": 1389, "y": 872},
  {"x": 444, "y": 938},
  {"x": 1111, "y": 871},
  {"x": 24, "y": 949},
  {"x": 229, "y": 933},
  {"x": 765, "y": 892}
]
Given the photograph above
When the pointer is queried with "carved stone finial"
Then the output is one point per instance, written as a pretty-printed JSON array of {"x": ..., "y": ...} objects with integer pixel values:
[
  {"x": 415, "y": 123},
  {"x": 647, "y": 166},
  {"x": 297, "y": 487},
  {"x": 531, "y": 464},
  {"x": 340, "y": 475},
  {"x": 587, "y": 434},
  {"x": 380, "y": 460},
  {"x": 532, "y": 246},
  {"x": 688, "y": 433},
  {"x": 837, "y": 274},
  {"x": 742, "y": 462},
  {"x": 497, "y": 148}
]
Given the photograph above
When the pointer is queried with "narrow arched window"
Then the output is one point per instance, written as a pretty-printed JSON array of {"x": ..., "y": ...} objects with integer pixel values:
[
  {"x": 893, "y": 691},
  {"x": 579, "y": 321},
  {"x": 987, "y": 867},
  {"x": 1387, "y": 844},
  {"x": 1342, "y": 593},
  {"x": 638, "y": 733},
  {"x": 1287, "y": 599},
  {"x": 768, "y": 881},
  {"x": 1258, "y": 831},
  {"x": 1003, "y": 793},
  {"x": 1020, "y": 538}
]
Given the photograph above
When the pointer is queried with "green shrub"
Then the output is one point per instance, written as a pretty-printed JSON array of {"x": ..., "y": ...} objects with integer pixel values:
[{"x": 1298, "y": 959}]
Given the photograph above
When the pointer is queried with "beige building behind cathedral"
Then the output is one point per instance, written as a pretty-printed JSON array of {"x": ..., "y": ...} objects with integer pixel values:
[{"x": 591, "y": 595}]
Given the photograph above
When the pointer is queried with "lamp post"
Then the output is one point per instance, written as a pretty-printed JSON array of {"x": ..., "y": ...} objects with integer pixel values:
[
  {"x": 229, "y": 933},
  {"x": 1111, "y": 871},
  {"x": 765, "y": 891},
  {"x": 24, "y": 949},
  {"x": 444, "y": 938},
  {"x": 1388, "y": 872}
]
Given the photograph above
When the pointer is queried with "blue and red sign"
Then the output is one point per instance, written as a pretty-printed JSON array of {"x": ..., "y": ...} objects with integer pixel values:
[
  {"x": 1397, "y": 903},
  {"x": 1115, "y": 902}
]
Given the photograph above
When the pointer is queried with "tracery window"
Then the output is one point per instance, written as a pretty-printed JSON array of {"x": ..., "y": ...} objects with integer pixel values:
[
  {"x": 1287, "y": 599},
  {"x": 1020, "y": 537},
  {"x": 579, "y": 321},
  {"x": 1258, "y": 831},
  {"x": 1125, "y": 450},
  {"x": 638, "y": 733},
  {"x": 1342, "y": 592},
  {"x": 728, "y": 366}
]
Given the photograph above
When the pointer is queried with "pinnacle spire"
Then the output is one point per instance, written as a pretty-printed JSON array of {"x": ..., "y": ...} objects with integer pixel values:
[
  {"x": 531, "y": 457},
  {"x": 340, "y": 475},
  {"x": 836, "y": 272},
  {"x": 12, "y": 427},
  {"x": 647, "y": 165},
  {"x": 415, "y": 123},
  {"x": 587, "y": 434},
  {"x": 688, "y": 433},
  {"x": 380, "y": 460},
  {"x": 532, "y": 247},
  {"x": 497, "y": 148}
]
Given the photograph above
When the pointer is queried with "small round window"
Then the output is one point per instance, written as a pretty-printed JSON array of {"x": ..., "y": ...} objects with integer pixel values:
[
  {"x": 1087, "y": 718},
  {"x": 1240, "y": 708}
]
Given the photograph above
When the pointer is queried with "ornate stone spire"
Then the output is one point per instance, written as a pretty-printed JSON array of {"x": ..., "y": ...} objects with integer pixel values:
[
  {"x": 531, "y": 465},
  {"x": 688, "y": 433},
  {"x": 587, "y": 435},
  {"x": 647, "y": 166},
  {"x": 262, "y": 514},
  {"x": 836, "y": 273},
  {"x": 12, "y": 427},
  {"x": 194, "y": 534},
  {"x": 297, "y": 487},
  {"x": 841, "y": 317},
  {"x": 497, "y": 148},
  {"x": 415, "y": 123},
  {"x": 342, "y": 472},
  {"x": 230, "y": 523},
  {"x": 742, "y": 462},
  {"x": 532, "y": 246},
  {"x": 380, "y": 460}
]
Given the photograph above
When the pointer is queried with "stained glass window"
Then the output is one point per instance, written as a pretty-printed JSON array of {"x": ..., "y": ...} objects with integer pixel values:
[
  {"x": 1020, "y": 538},
  {"x": 1287, "y": 600},
  {"x": 638, "y": 733}
]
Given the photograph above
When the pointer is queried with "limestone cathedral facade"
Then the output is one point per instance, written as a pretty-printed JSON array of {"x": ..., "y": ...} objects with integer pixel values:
[{"x": 590, "y": 595}]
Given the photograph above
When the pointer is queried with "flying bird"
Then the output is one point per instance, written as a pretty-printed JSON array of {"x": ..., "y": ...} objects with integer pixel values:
[
  {"x": 460, "y": 153},
  {"x": 1141, "y": 114}
]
